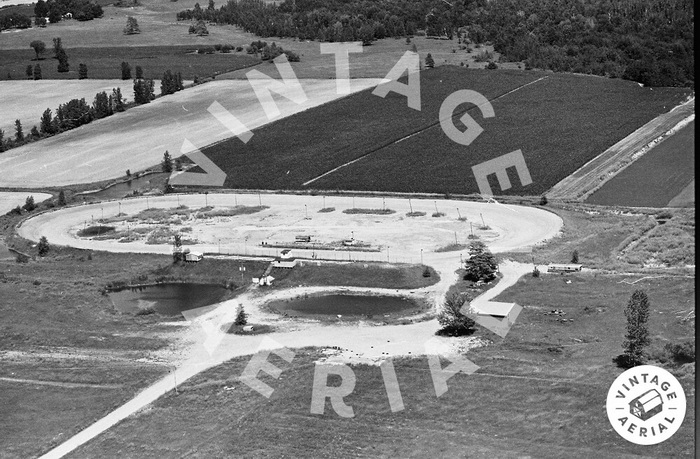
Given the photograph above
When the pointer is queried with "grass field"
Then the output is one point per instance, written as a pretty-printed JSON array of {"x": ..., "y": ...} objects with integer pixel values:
[
  {"x": 559, "y": 122},
  {"x": 656, "y": 178},
  {"x": 540, "y": 392},
  {"x": 105, "y": 62}
]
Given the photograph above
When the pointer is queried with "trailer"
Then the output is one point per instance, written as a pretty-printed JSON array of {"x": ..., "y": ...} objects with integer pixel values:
[{"x": 193, "y": 257}]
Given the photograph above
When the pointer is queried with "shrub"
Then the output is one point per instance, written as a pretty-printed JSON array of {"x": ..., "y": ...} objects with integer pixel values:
[
  {"x": 681, "y": 353},
  {"x": 491, "y": 66},
  {"x": 426, "y": 272},
  {"x": 535, "y": 272},
  {"x": 543, "y": 200}
]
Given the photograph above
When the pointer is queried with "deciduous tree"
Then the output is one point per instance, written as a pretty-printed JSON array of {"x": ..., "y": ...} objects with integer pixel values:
[
  {"x": 39, "y": 47},
  {"x": 450, "y": 317}
]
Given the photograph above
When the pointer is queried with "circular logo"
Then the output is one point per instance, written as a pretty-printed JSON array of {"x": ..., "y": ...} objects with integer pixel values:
[{"x": 646, "y": 405}]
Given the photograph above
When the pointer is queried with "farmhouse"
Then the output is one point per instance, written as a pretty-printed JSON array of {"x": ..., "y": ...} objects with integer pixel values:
[{"x": 563, "y": 268}]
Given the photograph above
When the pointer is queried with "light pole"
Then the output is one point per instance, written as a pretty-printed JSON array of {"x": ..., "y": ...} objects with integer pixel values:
[
  {"x": 120, "y": 208},
  {"x": 219, "y": 246},
  {"x": 459, "y": 213},
  {"x": 324, "y": 202},
  {"x": 147, "y": 205},
  {"x": 306, "y": 212},
  {"x": 410, "y": 205},
  {"x": 206, "y": 199},
  {"x": 387, "y": 253},
  {"x": 259, "y": 200},
  {"x": 421, "y": 256},
  {"x": 102, "y": 209}
]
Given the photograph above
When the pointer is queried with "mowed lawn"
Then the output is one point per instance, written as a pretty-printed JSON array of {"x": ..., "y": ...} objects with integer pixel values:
[
  {"x": 655, "y": 178},
  {"x": 540, "y": 392},
  {"x": 559, "y": 122},
  {"x": 105, "y": 62}
]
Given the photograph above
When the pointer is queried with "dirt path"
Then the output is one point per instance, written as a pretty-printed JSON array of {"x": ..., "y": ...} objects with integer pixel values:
[{"x": 592, "y": 175}]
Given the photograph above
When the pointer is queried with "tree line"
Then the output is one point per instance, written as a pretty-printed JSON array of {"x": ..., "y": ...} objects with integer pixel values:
[{"x": 651, "y": 42}]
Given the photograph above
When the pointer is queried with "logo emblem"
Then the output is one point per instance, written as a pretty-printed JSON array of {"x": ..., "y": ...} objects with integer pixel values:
[{"x": 646, "y": 405}]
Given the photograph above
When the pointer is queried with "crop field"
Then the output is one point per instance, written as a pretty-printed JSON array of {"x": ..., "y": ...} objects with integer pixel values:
[
  {"x": 102, "y": 150},
  {"x": 656, "y": 178},
  {"x": 558, "y": 121},
  {"x": 27, "y": 100},
  {"x": 552, "y": 379},
  {"x": 105, "y": 63}
]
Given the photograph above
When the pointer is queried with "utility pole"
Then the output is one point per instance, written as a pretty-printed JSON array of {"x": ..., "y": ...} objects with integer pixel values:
[
  {"x": 459, "y": 214},
  {"x": 436, "y": 209},
  {"x": 471, "y": 227},
  {"x": 482, "y": 219},
  {"x": 410, "y": 205}
]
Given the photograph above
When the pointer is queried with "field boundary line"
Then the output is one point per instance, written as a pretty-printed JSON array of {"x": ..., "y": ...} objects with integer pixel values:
[
  {"x": 595, "y": 173},
  {"x": 68, "y": 385},
  {"x": 419, "y": 131}
]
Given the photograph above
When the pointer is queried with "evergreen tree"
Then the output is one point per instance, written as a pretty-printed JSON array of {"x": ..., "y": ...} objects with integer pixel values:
[
  {"x": 82, "y": 72},
  {"x": 61, "y": 198},
  {"x": 167, "y": 164},
  {"x": 126, "y": 71},
  {"x": 19, "y": 134},
  {"x": 574, "y": 256},
  {"x": 46, "y": 125},
  {"x": 132, "y": 26},
  {"x": 241, "y": 316},
  {"x": 637, "y": 337},
  {"x": 29, "y": 71},
  {"x": 37, "y": 72},
  {"x": 34, "y": 132},
  {"x": 57, "y": 47},
  {"x": 139, "y": 72},
  {"x": 481, "y": 264},
  {"x": 2, "y": 140},
  {"x": 429, "y": 61},
  {"x": 118, "y": 100},
  {"x": 63, "y": 65},
  {"x": 29, "y": 204},
  {"x": 43, "y": 247}
]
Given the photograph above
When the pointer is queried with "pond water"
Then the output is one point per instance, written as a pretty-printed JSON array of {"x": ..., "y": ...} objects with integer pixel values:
[
  {"x": 350, "y": 306},
  {"x": 121, "y": 190},
  {"x": 167, "y": 299}
]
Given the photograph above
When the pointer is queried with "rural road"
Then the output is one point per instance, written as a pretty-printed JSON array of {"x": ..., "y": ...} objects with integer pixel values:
[{"x": 206, "y": 345}]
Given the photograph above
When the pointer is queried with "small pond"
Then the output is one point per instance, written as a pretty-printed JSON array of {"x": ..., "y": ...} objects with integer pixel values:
[
  {"x": 347, "y": 306},
  {"x": 167, "y": 299},
  {"x": 121, "y": 190}
]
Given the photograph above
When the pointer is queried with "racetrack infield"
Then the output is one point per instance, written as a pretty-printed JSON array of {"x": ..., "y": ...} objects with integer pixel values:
[{"x": 655, "y": 179}]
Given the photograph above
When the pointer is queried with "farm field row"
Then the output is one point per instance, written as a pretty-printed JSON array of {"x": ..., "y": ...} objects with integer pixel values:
[
  {"x": 558, "y": 121},
  {"x": 137, "y": 138},
  {"x": 105, "y": 62},
  {"x": 655, "y": 179}
]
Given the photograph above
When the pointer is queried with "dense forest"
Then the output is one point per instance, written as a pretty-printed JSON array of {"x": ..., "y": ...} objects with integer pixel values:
[{"x": 649, "y": 41}]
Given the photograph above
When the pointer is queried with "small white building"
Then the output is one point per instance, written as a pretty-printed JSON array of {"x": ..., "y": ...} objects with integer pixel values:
[
  {"x": 563, "y": 268},
  {"x": 194, "y": 256},
  {"x": 284, "y": 263},
  {"x": 286, "y": 254}
]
